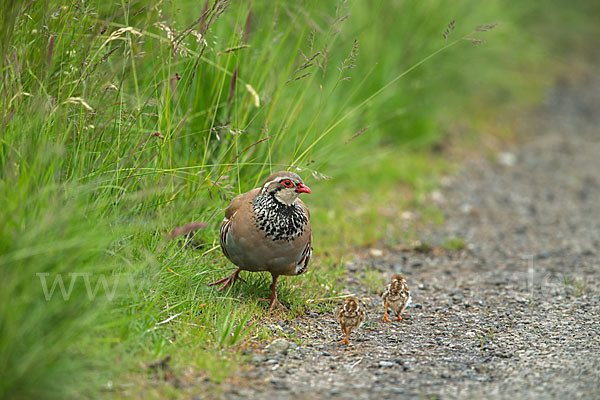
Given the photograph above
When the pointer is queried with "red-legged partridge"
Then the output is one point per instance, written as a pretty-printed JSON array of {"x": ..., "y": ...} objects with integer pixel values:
[
  {"x": 268, "y": 229},
  {"x": 396, "y": 297},
  {"x": 350, "y": 316}
]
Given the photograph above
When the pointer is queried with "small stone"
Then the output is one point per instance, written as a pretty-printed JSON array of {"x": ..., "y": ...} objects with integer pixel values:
[
  {"x": 407, "y": 215},
  {"x": 278, "y": 346},
  {"x": 507, "y": 158},
  {"x": 398, "y": 268},
  {"x": 470, "y": 334},
  {"x": 437, "y": 197},
  {"x": 376, "y": 252},
  {"x": 279, "y": 384},
  {"x": 272, "y": 361},
  {"x": 588, "y": 252},
  {"x": 521, "y": 229},
  {"x": 543, "y": 255},
  {"x": 258, "y": 358},
  {"x": 325, "y": 354},
  {"x": 446, "y": 181},
  {"x": 466, "y": 208},
  {"x": 386, "y": 364}
]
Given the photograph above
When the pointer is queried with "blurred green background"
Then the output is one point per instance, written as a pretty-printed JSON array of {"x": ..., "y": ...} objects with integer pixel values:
[{"x": 123, "y": 120}]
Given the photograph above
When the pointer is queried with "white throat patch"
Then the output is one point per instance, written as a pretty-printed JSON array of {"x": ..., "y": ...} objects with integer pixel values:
[{"x": 286, "y": 196}]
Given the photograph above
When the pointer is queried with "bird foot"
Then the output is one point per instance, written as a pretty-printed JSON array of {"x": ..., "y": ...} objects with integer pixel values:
[
  {"x": 344, "y": 340},
  {"x": 385, "y": 319},
  {"x": 228, "y": 280},
  {"x": 398, "y": 318},
  {"x": 274, "y": 302}
]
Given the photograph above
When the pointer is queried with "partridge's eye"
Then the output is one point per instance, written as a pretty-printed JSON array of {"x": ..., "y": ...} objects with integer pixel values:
[{"x": 287, "y": 183}]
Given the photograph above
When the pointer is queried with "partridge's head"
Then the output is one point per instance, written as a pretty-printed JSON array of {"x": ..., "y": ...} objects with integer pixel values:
[
  {"x": 285, "y": 187},
  {"x": 350, "y": 306}
]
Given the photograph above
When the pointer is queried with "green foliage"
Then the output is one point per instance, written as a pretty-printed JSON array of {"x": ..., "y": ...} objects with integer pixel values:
[
  {"x": 121, "y": 121},
  {"x": 454, "y": 244},
  {"x": 373, "y": 281}
]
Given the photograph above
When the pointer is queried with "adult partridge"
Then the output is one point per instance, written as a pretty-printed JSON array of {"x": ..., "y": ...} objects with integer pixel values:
[
  {"x": 350, "y": 316},
  {"x": 396, "y": 297},
  {"x": 268, "y": 229}
]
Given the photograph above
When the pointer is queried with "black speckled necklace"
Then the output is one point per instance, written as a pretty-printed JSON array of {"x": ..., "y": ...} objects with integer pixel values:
[{"x": 279, "y": 221}]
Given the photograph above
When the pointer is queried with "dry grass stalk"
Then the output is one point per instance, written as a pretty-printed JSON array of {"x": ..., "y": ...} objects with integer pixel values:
[
  {"x": 349, "y": 62},
  {"x": 248, "y": 26},
  {"x": 311, "y": 38},
  {"x": 185, "y": 229},
  {"x": 208, "y": 17},
  {"x": 233, "y": 84},
  {"x": 485, "y": 28},
  {"x": 357, "y": 134},
  {"x": 249, "y": 147},
  {"x": 449, "y": 28},
  {"x": 79, "y": 100},
  {"x": 341, "y": 13},
  {"x": 308, "y": 62},
  {"x": 254, "y": 95},
  {"x": 320, "y": 176},
  {"x": 50, "y": 50},
  {"x": 475, "y": 41},
  {"x": 232, "y": 49}
]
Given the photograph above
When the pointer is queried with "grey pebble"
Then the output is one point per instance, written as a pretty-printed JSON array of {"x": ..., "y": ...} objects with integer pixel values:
[{"x": 278, "y": 346}]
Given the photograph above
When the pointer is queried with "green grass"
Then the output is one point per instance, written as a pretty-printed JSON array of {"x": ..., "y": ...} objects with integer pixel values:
[
  {"x": 119, "y": 124},
  {"x": 454, "y": 244},
  {"x": 373, "y": 281}
]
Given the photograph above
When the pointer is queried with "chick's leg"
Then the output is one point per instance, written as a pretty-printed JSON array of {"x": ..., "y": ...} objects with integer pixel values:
[
  {"x": 345, "y": 340},
  {"x": 385, "y": 316}
]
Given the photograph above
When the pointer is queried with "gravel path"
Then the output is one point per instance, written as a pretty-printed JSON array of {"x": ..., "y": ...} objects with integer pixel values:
[{"x": 516, "y": 314}]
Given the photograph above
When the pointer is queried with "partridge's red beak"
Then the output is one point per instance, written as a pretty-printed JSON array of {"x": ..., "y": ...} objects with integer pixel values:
[{"x": 302, "y": 188}]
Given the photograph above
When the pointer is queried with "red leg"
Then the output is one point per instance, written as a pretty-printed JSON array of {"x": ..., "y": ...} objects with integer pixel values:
[
  {"x": 385, "y": 316},
  {"x": 228, "y": 280},
  {"x": 345, "y": 340},
  {"x": 273, "y": 299}
]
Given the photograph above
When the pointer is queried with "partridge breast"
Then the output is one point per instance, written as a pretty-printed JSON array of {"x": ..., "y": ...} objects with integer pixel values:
[
  {"x": 268, "y": 229},
  {"x": 254, "y": 244}
]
